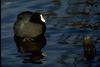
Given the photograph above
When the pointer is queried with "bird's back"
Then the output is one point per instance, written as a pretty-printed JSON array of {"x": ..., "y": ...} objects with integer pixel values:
[{"x": 28, "y": 29}]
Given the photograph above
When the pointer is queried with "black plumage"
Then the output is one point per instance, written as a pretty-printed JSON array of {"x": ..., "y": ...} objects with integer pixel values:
[{"x": 29, "y": 32}]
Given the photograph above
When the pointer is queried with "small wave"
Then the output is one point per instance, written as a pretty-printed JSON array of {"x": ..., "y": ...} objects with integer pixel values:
[
  {"x": 8, "y": 36},
  {"x": 7, "y": 3},
  {"x": 3, "y": 26}
]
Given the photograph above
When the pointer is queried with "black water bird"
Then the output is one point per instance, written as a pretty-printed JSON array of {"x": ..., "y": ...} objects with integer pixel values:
[{"x": 29, "y": 30}]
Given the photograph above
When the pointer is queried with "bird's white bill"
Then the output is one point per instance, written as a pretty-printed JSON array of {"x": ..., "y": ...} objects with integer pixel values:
[{"x": 42, "y": 18}]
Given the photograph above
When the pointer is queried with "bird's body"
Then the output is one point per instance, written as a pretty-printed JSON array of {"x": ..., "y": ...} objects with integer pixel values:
[
  {"x": 29, "y": 32},
  {"x": 29, "y": 29}
]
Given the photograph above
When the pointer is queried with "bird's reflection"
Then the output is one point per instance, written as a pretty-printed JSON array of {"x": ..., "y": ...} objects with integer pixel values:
[
  {"x": 89, "y": 48},
  {"x": 31, "y": 51}
]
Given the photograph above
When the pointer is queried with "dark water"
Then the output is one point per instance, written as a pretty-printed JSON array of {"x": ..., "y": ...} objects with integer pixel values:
[{"x": 64, "y": 44}]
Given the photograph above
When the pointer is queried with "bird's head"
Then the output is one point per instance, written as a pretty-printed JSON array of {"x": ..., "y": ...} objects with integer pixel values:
[{"x": 37, "y": 18}]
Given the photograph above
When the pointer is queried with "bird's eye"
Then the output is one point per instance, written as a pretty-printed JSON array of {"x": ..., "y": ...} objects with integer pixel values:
[{"x": 42, "y": 19}]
